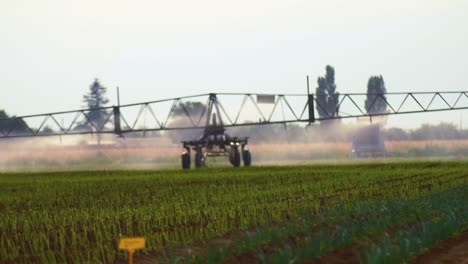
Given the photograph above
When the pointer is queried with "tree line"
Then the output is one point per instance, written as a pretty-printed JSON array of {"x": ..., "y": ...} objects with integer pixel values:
[
  {"x": 94, "y": 100},
  {"x": 344, "y": 133},
  {"x": 327, "y": 98}
]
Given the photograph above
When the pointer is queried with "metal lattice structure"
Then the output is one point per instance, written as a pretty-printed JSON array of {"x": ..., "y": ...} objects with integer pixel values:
[{"x": 235, "y": 109}]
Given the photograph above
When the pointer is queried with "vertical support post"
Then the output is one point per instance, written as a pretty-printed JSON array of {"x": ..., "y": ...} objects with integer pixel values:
[
  {"x": 130, "y": 256},
  {"x": 311, "y": 109},
  {"x": 118, "y": 96},
  {"x": 211, "y": 101},
  {"x": 117, "y": 127},
  {"x": 310, "y": 102}
]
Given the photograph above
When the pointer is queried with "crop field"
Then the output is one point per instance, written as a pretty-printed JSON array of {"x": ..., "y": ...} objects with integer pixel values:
[{"x": 368, "y": 213}]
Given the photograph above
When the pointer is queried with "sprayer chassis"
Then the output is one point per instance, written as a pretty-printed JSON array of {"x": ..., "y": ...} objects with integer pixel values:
[{"x": 215, "y": 141}]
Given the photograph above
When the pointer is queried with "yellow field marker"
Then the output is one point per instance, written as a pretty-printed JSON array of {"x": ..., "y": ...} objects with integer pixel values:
[{"x": 131, "y": 244}]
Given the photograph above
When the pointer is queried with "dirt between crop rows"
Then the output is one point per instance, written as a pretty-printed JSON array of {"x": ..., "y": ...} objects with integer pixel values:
[{"x": 453, "y": 250}]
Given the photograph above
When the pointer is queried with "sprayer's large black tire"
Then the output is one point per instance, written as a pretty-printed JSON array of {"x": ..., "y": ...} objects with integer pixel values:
[
  {"x": 247, "y": 158},
  {"x": 185, "y": 161},
  {"x": 235, "y": 158},
  {"x": 198, "y": 159}
]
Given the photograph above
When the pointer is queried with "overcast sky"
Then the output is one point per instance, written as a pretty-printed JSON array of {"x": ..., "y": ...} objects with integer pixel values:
[{"x": 50, "y": 51}]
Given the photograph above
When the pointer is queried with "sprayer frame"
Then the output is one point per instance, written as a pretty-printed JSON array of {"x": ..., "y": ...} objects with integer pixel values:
[{"x": 215, "y": 141}]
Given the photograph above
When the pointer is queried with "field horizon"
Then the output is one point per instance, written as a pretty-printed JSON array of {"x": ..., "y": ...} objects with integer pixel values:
[{"x": 153, "y": 153}]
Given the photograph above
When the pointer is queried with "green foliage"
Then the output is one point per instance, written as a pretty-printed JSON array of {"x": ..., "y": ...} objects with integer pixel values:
[
  {"x": 449, "y": 216},
  {"x": 195, "y": 109},
  {"x": 440, "y": 131},
  {"x": 12, "y": 124},
  {"x": 95, "y": 99},
  {"x": 180, "y": 118},
  {"x": 326, "y": 95},
  {"x": 376, "y": 100},
  {"x": 395, "y": 133},
  {"x": 46, "y": 130},
  {"x": 297, "y": 239},
  {"x": 270, "y": 214}
]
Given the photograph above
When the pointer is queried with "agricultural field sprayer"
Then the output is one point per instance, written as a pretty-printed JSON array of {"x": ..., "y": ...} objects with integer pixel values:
[{"x": 215, "y": 142}]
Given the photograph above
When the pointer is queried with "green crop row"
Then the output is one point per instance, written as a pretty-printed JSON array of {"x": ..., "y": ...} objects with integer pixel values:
[
  {"x": 80, "y": 216},
  {"x": 367, "y": 227}
]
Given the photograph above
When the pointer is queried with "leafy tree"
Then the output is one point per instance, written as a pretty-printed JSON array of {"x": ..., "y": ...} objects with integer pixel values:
[
  {"x": 327, "y": 97},
  {"x": 431, "y": 132},
  {"x": 46, "y": 130},
  {"x": 11, "y": 124},
  {"x": 180, "y": 119},
  {"x": 3, "y": 114},
  {"x": 395, "y": 133},
  {"x": 193, "y": 108},
  {"x": 376, "y": 100}
]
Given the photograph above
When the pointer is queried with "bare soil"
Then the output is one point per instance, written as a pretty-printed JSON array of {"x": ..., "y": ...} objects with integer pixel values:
[
  {"x": 339, "y": 256},
  {"x": 453, "y": 250}
]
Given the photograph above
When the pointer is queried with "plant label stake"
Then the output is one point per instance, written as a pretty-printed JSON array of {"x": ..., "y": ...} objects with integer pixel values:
[{"x": 131, "y": 244}]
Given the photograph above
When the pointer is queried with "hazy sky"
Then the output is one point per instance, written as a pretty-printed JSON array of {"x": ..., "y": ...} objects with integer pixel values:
[{"x": 50, "y": 51}]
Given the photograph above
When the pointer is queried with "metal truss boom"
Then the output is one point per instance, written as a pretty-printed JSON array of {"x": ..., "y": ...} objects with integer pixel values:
[{"x": 235, "y": 109}]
